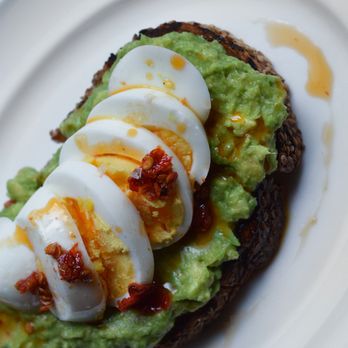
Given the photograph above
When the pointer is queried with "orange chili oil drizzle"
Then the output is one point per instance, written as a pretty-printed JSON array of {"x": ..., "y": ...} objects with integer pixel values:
[
  {"x": 155, "y": 178},
  {"x": 146, "y": 298},
  {"x": 70, "y": 263},
  {"x": 37, "y": 284}
]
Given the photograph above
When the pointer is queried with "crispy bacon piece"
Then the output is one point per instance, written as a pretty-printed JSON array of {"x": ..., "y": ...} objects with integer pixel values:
[
  {"x": 37, "y": 284},
  {"x": 70, "y": 263},
  {"x": 146, "y": 298},
  {"x": 155, "y": 178}
]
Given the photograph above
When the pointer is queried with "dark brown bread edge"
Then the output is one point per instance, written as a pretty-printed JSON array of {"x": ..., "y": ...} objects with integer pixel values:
[
  {"x": 289, "y": 138},
  {"x": 260, "y": 235}
]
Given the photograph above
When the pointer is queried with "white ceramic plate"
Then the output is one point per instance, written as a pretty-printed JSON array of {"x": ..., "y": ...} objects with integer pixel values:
[{"x": 48, "y": 53}]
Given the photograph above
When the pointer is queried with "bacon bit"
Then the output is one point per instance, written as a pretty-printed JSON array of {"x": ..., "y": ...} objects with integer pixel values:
[
  {"x": 146, "y": 298},
  {"x": 155, "y": 177},
  {"x": 9, "y": 203},
  {"x": 37, "y": 284},
  {"x": 70, "y": 263}
]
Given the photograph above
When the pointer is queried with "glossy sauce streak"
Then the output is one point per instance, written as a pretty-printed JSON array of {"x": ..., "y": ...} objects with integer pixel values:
[
  {"x": 115, "y": 147},
  {"x": 166, "y": 83},
  {"x": 312, "y": 221},
  {"x": 327, "y": 137},
  {"x": 21, "y": 237},
  {"x": 319, "y": 80},
  {"x": 99, "y": 118}
]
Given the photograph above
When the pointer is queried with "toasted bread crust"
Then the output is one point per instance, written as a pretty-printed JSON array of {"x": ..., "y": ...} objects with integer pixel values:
[
  {"x": 260, "y": 235},
  {"x": 289, "y": 138}
]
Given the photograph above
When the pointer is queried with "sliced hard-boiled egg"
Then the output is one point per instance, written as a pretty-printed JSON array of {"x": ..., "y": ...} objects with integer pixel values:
[
  {"x": 158, "y": 67},
  {"x": 17, "y": 261},
  {"x": 164, "y": 115},
  {"x": 48, "y": 223},
  {"x": 110, "y": 226},
  {"x": 118, "y": 148}
]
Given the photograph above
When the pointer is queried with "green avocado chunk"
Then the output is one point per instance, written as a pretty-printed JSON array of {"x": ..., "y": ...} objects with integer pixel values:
[
  {"x": 51, "y": 165},
  {"x": 22, "y": 187},
  {"x": 247, "y": 109},
  {"x": 19, "y": 190},
  {"x": 231, "y": 199}
]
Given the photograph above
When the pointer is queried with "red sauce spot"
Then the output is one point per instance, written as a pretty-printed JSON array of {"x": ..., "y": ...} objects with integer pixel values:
[
  {"x": 155, "y": 178},
  {"x": 146, "y": 298},
  {"x": 203, "y": 213},
  {"x": 29, "y": 328},
  {"x": 70, "y": 263},
  {"x": 37, "y": 284},
  {"x": 9, "y": 203}
]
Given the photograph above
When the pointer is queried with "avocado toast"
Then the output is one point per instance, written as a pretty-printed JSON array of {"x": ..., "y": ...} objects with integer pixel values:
[{"x": 257, "y": 221}]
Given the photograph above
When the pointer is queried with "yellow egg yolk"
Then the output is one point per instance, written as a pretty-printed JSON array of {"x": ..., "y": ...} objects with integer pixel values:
[
  {"x": 162, "y": 218},
  {"x": 109, "y": 255},
  {"x": 176, "y": 143},
  {"x": 19, "y": 237}
]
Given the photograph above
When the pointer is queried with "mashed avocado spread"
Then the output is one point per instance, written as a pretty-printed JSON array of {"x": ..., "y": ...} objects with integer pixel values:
[{"x": 248, "y": 107}]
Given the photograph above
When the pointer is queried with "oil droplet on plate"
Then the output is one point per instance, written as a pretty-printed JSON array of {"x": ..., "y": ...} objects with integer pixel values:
[
  {"x": 312, "y": 221},
  {"x": 319, "y": 80}
]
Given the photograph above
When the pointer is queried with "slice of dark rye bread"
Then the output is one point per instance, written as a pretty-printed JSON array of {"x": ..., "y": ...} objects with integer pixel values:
[{"x": 260, "y": 235}]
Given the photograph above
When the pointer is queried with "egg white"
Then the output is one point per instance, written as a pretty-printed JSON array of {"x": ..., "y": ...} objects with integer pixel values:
[
  {"x": 82, "y": 180},
  {"x": 114, "y": 131},
  {"x": 152, "y": 66},
  {"x": 148, "y": 107},
  {"x": 17, "y": 262},
  {"x": 81, "y": 302}
]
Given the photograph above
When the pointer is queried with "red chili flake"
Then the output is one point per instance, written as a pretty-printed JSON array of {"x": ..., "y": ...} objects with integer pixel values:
[
  {"x": 29, "y": 328},
  {"x": 155, "y": 178},
  {"x": 9, "y": 203},
  {"x": 57, "y": 136},
  {"x": 146, "y": 298},
  {"x": 37, "y": 284},
  {"x": 70, "y": 263}
]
